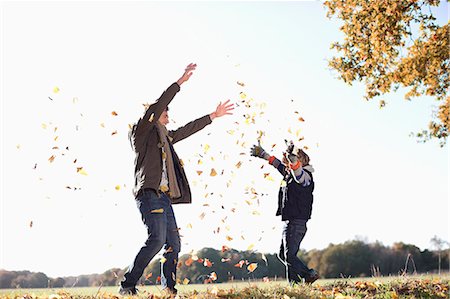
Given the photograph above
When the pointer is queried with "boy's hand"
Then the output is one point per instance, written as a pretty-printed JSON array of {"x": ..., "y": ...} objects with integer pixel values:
[{"x": 258, "y": 151}]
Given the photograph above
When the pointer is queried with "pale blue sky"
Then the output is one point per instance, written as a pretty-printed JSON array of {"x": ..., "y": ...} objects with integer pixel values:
[{"x": 372, "y": 179}]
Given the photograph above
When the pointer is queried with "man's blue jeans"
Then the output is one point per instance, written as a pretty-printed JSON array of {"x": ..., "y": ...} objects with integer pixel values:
[
  {"x": 158, "y": 217},
  {"x": 293, "y": 233}
]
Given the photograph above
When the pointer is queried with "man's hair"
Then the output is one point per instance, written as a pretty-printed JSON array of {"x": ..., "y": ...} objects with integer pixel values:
[{"x": 303, "y": 157}]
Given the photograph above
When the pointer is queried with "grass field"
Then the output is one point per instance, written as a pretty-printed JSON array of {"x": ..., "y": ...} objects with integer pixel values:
[{"x": 379, "y": 287}]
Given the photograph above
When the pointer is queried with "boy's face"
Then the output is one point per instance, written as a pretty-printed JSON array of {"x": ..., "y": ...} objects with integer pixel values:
[{"x": 164, "y": 118}]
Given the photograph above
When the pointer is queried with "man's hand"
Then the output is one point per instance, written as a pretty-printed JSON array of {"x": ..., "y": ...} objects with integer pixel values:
[
  {"x": 258, "y": 151},
  {"x": 187, "y": 73},
  {"x": 222, "y": 109}
]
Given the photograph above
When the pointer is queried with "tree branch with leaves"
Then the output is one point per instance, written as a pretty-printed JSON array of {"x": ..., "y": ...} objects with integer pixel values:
[{"x": 380, "y": 50}]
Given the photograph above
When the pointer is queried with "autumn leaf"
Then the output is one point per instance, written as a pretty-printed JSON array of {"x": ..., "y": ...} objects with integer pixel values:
[
  {"x": 250, "y": 247},
  {"x": 243, "y": 95},
  {"x": 240, "y": 83},
  {"x": 213, "y": 172},
  {"x": 202, "y": 215},
  {"x": 229, "y": 238},
  {"x": 117, "y": 187},
  {"x": 213, "y": 276},
  {"x": 149, "y": 276},
  {"x": 51, "y": 159},
  {"x": 55, "y": 89},
  {"x": 207, "y": 263},
  {"x": 252, "y": 267},
  {"x": 114, "y": 113},
  {"x": 301, "y": 119},
  {"x": 199, "y": 172},
  {"x": 80, "y": 170},
  {"x": 189, "y": 262},
  {"x": 31, "y": 224},
  {"x": 238, "y": 165},
  {"x": 162, "y": 260},
  {"x": 114, "y": 133},
  {"x": 185, "y": 281},
  {"x": 240, "y": 264}
]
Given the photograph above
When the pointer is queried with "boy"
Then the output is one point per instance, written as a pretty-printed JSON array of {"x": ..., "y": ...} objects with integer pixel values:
[{"x": 295, "y": 200}]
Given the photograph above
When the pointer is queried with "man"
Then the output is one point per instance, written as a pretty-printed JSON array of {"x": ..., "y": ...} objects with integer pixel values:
[
  {"x": 160, "y": 181},
  {"x": 295, "y": 200}
]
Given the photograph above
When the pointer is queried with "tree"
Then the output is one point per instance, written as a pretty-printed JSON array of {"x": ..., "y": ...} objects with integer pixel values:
[
  {"x": 393, "y": 43},
  {"x": 438, "y": 243}
]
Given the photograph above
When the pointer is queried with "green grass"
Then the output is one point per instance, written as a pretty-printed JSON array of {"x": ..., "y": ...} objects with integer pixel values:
[{"x": 377, "y": 288}]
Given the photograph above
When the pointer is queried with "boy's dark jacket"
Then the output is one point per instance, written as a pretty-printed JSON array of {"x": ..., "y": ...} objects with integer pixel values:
[
  {"x": 145, "y": 141},
  {"x": 298, "y": 202}
]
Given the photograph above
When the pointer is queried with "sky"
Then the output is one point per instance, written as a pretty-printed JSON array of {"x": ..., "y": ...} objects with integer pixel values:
[{"x": 75, "y": 75}]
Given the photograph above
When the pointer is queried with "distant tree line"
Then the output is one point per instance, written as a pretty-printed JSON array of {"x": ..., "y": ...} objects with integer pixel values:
[{"x": 354, "y": 258}]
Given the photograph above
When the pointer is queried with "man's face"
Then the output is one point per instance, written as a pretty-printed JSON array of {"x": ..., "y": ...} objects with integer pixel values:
[{"x": 164, "y": 118}]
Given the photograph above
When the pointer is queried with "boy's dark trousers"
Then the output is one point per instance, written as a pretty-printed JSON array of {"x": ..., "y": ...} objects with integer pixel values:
[{"x": 293, "y": 233}]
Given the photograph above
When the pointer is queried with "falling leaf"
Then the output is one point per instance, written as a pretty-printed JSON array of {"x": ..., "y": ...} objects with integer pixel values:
[
  {"x": 31, "y": 223},
  {"x": 185, "y": 281},
  {"x": 51, "y": 159},
  {"x": 117, "y": 187},
  {"x": 114, "y": 133},
  {"x": 102, "y": 125},
  {"x": 199, "y": 172},
  {"x": 252, "y": 267},
  {"x": 250, "y": 247},
  {"x": 240, "y": 264},
  {"x": 229, "y": 238},
  {"x": 206, "y": 148},
  {"x": 114, "y": 113},
  {"x": 301, "y": 119},
  {"x": 80, "y": 170},
  {"x": 382, "y": 104},
  {"x": 207, "y": 263},
  {"x": 162, "y": 260},
  {"x": 189, "y": 225},
  {"x": 149, "y": 275},
  {"x": 264, "y": 258},
  {"x": 238, "y": 165},
  {"x": 55, "y": 89},
  {"x": 44, "y": 126},
  {"x": 158, "y": 279},
  {"x": 188, "y": 262},
  {"x": 202, "y": 215},
  {"x": 56, "y": 138},
  {"x": 199, "y": 162},
  {"x": 18, "y": 146},
  {"x": 213, "y": 172},
  {"x": 243, "y": 95},
  {"x": 240, "y": 83},
  {"x": 213, "y": 276}
]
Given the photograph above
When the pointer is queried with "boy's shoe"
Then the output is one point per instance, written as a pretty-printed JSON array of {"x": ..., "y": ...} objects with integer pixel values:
[
  {"x": 313, "y": 276},
  {"x": 127, "y": 291}
]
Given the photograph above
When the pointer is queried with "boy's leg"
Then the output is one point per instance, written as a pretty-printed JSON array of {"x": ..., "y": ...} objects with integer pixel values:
[
  {"x": 153, "y": 212},
  {"x": 172, "y": 247},
  {"x": 293, "y": 235}
]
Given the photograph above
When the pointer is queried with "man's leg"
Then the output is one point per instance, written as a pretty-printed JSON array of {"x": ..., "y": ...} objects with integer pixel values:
[
  {"x": 172, "y": 248},
  {"x": 293, "y": 235},
  {"x": 154, "y": 216}
]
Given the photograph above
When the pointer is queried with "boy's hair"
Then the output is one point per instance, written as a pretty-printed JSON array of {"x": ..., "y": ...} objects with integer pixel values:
[{"x": 303, "y": 157}]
